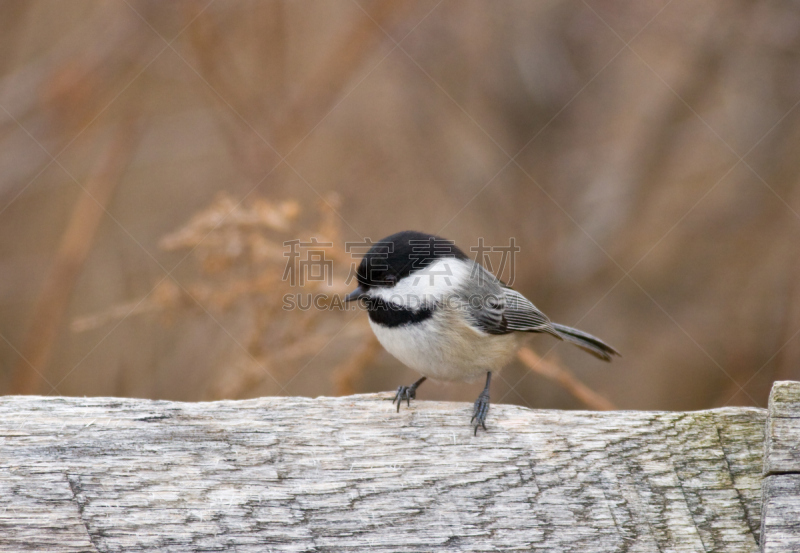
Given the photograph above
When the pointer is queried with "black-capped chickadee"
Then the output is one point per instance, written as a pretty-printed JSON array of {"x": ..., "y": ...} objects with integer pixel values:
[{"x": 446, "y": 317}]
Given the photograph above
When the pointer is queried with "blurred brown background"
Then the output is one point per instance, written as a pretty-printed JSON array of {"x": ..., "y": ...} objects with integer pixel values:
[{"x": 156, "y": 155}]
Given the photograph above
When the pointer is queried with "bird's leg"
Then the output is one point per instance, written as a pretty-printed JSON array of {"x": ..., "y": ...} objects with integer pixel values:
[
  {"x": 482, "y": 406},
  {"x": 407, "y": 393}
]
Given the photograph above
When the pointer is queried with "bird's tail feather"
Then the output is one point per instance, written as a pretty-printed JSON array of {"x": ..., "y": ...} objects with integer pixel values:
[{"x": 586, "y": 342}]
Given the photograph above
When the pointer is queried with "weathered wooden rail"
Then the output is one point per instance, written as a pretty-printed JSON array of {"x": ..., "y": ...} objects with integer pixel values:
[
  {"x": 350, "y": 474},
  {"x": 780, "y": 518}
]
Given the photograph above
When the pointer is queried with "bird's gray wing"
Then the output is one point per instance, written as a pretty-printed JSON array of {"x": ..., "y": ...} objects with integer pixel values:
[
  {"x": 522, "y": 316},
  {"x": 484, "y": 300},
  {"x": 501, "y": 310},
  {"x": 495, "y": 308}
]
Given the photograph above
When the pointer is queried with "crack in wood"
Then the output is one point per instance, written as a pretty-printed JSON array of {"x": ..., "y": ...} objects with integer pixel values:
[{"x": 75, "y": 489}]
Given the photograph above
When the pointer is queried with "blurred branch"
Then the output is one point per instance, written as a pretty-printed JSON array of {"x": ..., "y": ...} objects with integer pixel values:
[
  {"x": 165, "y": 294},
  {"x": 321, "y": 90},
  {"x": 292, "y": 120},
  {"x": 53, "y": 300},
  {"x": 566, "y": 379},
  {"x": 26, "y": 87}
]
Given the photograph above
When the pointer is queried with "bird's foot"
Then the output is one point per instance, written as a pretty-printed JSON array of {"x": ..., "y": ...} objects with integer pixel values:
[
  {"x": 407, "y": 393},
  {"x": 482, "y": 406},
  {"x": 480, "y": 411}
]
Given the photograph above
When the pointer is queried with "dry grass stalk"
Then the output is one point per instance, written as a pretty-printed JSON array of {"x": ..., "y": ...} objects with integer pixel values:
[{"x": 241, "y": 258}]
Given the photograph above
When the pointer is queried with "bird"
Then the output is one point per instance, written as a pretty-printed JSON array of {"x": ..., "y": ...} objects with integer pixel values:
[{"x": 447, "y": 317}]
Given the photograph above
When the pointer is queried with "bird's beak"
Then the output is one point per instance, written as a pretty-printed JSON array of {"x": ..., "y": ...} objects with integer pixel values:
[{"x": 355, "y": 295}]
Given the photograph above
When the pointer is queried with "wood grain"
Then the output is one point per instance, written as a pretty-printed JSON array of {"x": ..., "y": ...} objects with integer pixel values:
[
  {"x": 350, "y": 474},
  {"x": 781, "y": 498},
  {"x": 783, "y": 435}
]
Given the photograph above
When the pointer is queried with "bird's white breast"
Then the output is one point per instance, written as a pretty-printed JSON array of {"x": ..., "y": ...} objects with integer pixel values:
[{"x": 445, "y": 347}]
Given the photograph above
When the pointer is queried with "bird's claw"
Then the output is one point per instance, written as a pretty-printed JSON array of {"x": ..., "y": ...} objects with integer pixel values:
[
  {"x": 480, "y": 411},
  {"x": 404, "y": 393}
]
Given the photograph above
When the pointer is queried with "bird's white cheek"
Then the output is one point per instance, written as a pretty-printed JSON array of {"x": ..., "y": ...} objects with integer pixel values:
[{"x": 439, "y": 280}]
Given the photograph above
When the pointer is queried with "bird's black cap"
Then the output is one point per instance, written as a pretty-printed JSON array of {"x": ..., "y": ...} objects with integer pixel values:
[{"x": 400, "y": 254}]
